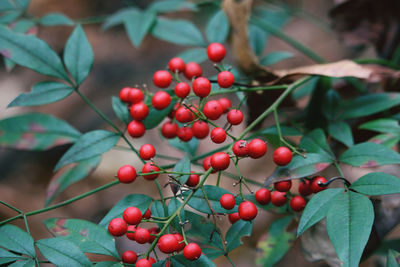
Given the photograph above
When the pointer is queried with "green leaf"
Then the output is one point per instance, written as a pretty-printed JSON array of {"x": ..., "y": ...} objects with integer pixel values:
[
  {"x": 139, "y": 201},
  {"x": 331, "y": 100},
  {"x": 31, "y": 52},
  {"x": 23, "y": 263},
  {"x": 369, "y": 155},
  {"x": 275, "y": 57},
  {"x": 172, "y": 6},
  {"x": 109, "y": 264},
  {"x": 268, "y": 207},
  {"x": 377, "y": 183},
  {"x": 137, "y": 25},
  {"x": 315, "y": 142},
  {"x": 341, "y": 131},
  {"x": 189, "y": 148},
  {"x": 55, "y": 19},
  {"x": 388, "y": 139},
  {"x": 16, "y": 239},
  {"x": 6, "y": 256},
  {"x": 69, "y": 175},
  {"x": 258, "y": 39},
  {"x": 157, "y": 210},
  {"x": 88, "y": 236},
  {"x": 349, "y": 223},
  {"x": 272, "y": 136},
  {"x": 62, "y": 252},
  {"x": 212, "y": 253},
  {"x": 382, "y": 126},
  {"x": 305, "y": 89},
  {"x": 43, "y": 93},
  {"x": 7, "y": 6},
  {"x": 155, "y": 117},
  {"x": 236, "y": 232},
  {"x": 119, "y": 17},
  {"x": 183, "y": 166},
  {"x": 173, "y": 205},
  {"x": 90, "y": 144},
  {"x": 198, "y": 55},
  {"x": 181, "y": 261},
  {"x": 181, "y": 32},
  {"x": 278, "y": 243},
  {"x": 217, "y": 28},
  {"x": 393, "y": 258},
  {"x": 35, "y": 131},
  {"x": 121, "y": 110},
  {"x": 78, "y": 55},
  {"x": 10, "y": 16},
  {"x": 317, "y": 208}
]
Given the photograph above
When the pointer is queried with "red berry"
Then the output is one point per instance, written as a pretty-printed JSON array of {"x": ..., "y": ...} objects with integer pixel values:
[
  {"x": 247, "y": 211},
  {"x": 117, "y": 227},
  {"x": 147, "y": 214},
  {"x": 282, "y": 156},
  {"x": 142, "y": 235},
  {"x": 143, "y": 263},
  {"x": 168, "y": 243},
  {"x": 129, "y": 256},
  {"x": 218, "y": 135},
  {"x": 131, "y": 228},
  {"x": 135, "y": 95},
  {"x": 136, "y": 129},
  {"x": 212, "y": 110},
  {"x": 192, "y": 69},
  {"x": 132, "y": 215},
  {"x": 263, "y": 196},
  {"x": 297, "y": 203},
  {"x": 257, "y": 148},
  {"x": 278, "y": 199},
  {"x": 149, "y": 167},
  {"x": 201, "y": 87},
  {"x": 161, "y": 100},
  {"x": 124, "y": 94},
  {"x": 193, "y": 180},
  {"x": 182, "y": 89},
  {"x": 176, "y": 64},
  {"x": 153, "y": 231},
  {"x": 192, "y": 251},
  {"x": 169, "y": 129},
  {"x": 235, "y": 116},
  {"x": 183, "y": 115},
  {"x": 283, "y": 186},
  {"x": 225, "y": 79},
  {"x": 126, "y": 174},
  {"x": 233, "y": 217},
  {"x": 220, "y": 161},
  {"x": 147, "y": 151},
  {"x": 207, "y": 163},
  {"x": 216, "y": 52},
  {"x": 185, "y": 134},
  {"x": 315, "y": 184},
  {"x": 200, "y": 129},
  {"x": 162, "y": 78},
  {"x": 171, "y": 114},
  {"x": 139, "y": 111},
  {"x": 151, "y": 260},
  {"x": 227, "y": 201},
  {"x": 225, "y": 103},
  {"x": 304, "y": 188},
  {"x": 180, "y": 242},
  {"x": 241, "y": 148}
]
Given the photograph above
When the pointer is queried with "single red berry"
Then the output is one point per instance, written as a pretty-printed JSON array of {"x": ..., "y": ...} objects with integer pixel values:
[
  {"x": 216, "y": 52},
  {"x": 171, "y": 114},
  {"x": 212, "y": 110},
  {"x": 131, "y": 228},
  {"x": 278, "y": 199},
  {"x": 132, "y": 215},
  {"x": 117, "y": 227},
  {"x": 257, "y": 148},
  {"x": 176, "y": 64},
  {"x": 225, "y": 79},
  {"x": 181, "y": 242},
  {"x": 192, "y": 69},
  {"x": 139, "y": 111},
  {"x": 225, "y": 103},
  {"x": 297, "y": 203},
  {"x": 153, "y": 231},
  {"x": 182, "y": 89},
  {"x": 263, "y": 196},
  {"x": 201, "y": 87},
  {"x": 247, "y": 211},
  {"x": 150, "y": 167},
  {"x": 234, "y": 217},
  {"x": 282, "y": 156},
  {"x": 192, "y": 251},
  {"x": 185, "y": 134},
  {"x": 135, "y": 95},
  {"x": 220, "y": 161},
  {"x": 168, "y": 243},
  {"x": 161, "y": 100},
  {"x": 147, "y": 151},
  {"x": 143, "y": 263},
  {"x": 169, "y": 129},
  {"x": 124, "y": 94},
  {"x": 147, "y": 214},
  {"x": 193, "y": 180},
  {"x": 162, "y": 78},
  {"x": 136, "y": 129},
  {"x": 315, "y": 184},
  {"x": 227, "y": 201},
  {"x": 218, "y": 135},
  {"x": 129, "y": 256},
  {"x": 126, "y": 174},
  {"x": 142, "y": 235},
  {"x": 283, "y": 186},
  {"x": 235, "y": 117},
  {"x": 240, "y": 148},
  {"x": 151, "y": 260},
  {"x": 305, "y": 188},
  {"x": 183, "y": 115},
  {"x": 200, "y": 129},
  {"x": 207, "y": 163}
]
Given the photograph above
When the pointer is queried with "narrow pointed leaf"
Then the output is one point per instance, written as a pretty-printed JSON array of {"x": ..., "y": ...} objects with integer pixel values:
[
  {"x": 258, "y": 39},
  {"x": 121, "y": 110},
  {"x": 6, "y": 256},
  {"x": 236, "y": 232},
  {"x": 23, "y": 263},
  {"x": 189, "y": 148},
  {"x": 119, "y": 17},
  {"x": 315, "y": 142},
  {"x": 181, "y": 261},
  {"x": 183, "y": 166},
  {"x": 341, "y": 131},
  {"x": 16, "y": 239},
  {"x": 173, "y": 205},
  {"x": 393, "y": 258},
  {"x": 198, "y": 55},
  {"x": 212, "y": 253},
  {"x": 382, "y": 126},
  {"x": 109, "y": 264},
  {"x": 377, "y": 183},
  {"x": 217, "y": 28},
  {"x": 172, "y": 6},
  {"x": 155, "y": 117},
  {"x": 138, "y": 25},
  {"x": 55, "y": 19},
  {"x": 275, "y": 57}
]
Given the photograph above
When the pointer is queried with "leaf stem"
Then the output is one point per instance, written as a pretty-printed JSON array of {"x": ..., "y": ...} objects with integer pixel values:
[{"x": 11, "y": 206}]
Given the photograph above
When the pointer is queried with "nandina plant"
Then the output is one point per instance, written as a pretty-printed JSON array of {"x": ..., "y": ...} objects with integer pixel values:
[{"x": 185, "y": 107}]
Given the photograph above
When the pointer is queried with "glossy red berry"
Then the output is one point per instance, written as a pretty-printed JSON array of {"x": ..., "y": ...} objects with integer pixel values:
[
  {"x": 183, "y": 115},
  {"x": 182, "y": 89},
  {"x": 207, "y": 163},
  {"x": 282, "y": 156},
  {"x": 169, "y": 129},
  {"x": 153, "y": 231},
  {"x": 257, "y": 148},
  {"x": 168, "y": 243},
  {"x": 181, "y": 243},
  {"x": 305, "y": 188},
  {"x": 225, "y": 79},
  {"x": 278, "y": 199},
  {"x": 135, "y": 95},
  {"x": 201, "y": 87},
  {"x": 263, "y": 196},
  {"x": 147, "y": 151},
  {"x": 192, "y": 251},
  {"x": 233, "y": 217},
  {"x": 162, "y": 78},
  {"x": 235, "y": 116},
  {"x": 192, "y": 69},
  {"x": 193, "y": 180},
  {"x": 247, "y": 211},
  {"x": 132, "y": 215},
  {"x": 220, "y": 161},
  {"x": 283, "y": 186},
  {"x": 185, "y": 134},
  {"x": 126, "y": 174},
  {"x": 297, "y": 203},
  {"x": 129, "y": 256},
  {"x": 227, "y": 201},
  {"x": 143, "y": 263},
  {"x": 117, "y": 227},
  {"x": 142, "y": 235},
  {"x": 216, "y": 52},
  {"x": 147, "y": 214},
  {"x": 200, "y": 129},
  {"x": 225, "y": 103},
  {"x": 151, "y": 260},
  {"x": 212, "y": 110},
  {"x": 161, "y": 100},
  {"x": 241, "y": 148},
  {"x": 139, "y": 111},
  {"x": 124, "y": 94},
  {"x": 150, "y": 167},
  {"x": 218, "y": 135},
  {"x": 136, "y": 129},
  {"x": 315, "y": 184},
  {"x": 131, "y": 228},
  {"x": 176, "y": 64}
]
